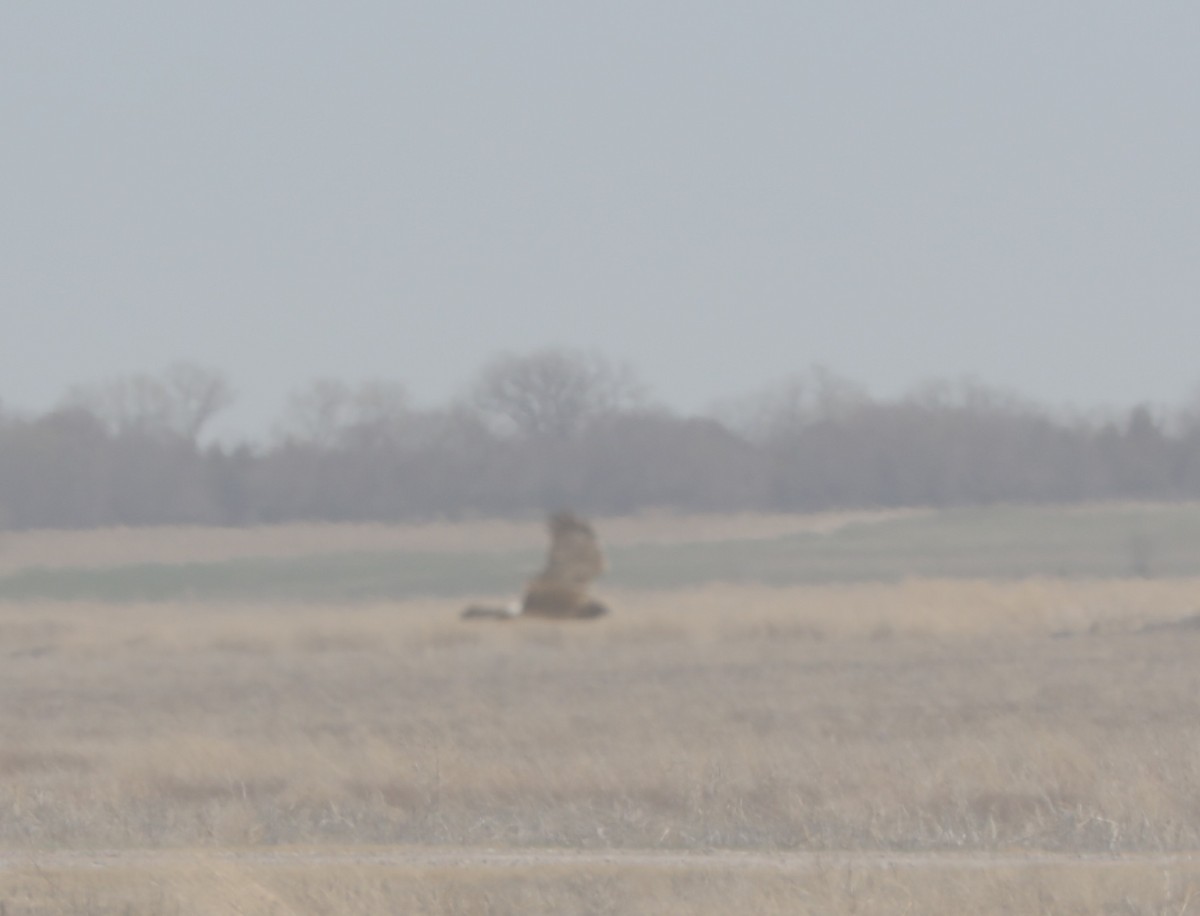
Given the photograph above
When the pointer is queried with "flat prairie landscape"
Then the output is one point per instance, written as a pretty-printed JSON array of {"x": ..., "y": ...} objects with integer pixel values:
[{"x": 984, "y": 711}]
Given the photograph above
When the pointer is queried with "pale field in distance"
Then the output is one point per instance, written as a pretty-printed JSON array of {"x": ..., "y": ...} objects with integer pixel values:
[
  {"x": 177, "y": 753},
  {"x": 117, "y": 546}
]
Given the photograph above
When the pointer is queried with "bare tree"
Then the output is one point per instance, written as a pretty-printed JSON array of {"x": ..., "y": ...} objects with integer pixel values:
[
  {"x": 553, "y": 394},
  {"x": 1186, "y": 419},
  {"x": 317, "y": 413},
  {"x": 178, "y": 403},
  {"x": 787, "y": 407},
  {"x": 194, "y": 396},
  {"x": 328, "y": 413},
  {"x": 382, "y": 415}
]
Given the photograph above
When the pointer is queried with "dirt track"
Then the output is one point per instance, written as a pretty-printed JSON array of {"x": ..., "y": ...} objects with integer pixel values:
[{"x": 404, "y": 857}]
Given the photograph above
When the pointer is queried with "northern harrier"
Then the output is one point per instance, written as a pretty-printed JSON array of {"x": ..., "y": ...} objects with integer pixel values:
[{"x": 560, "y": 590}]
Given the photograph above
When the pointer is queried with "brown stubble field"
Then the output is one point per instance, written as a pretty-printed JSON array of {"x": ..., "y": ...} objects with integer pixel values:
[{"x": 931, "y": 746}]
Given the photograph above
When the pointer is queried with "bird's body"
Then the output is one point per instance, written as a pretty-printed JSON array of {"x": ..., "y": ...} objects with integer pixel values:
[{"x": 560, "y": 591}]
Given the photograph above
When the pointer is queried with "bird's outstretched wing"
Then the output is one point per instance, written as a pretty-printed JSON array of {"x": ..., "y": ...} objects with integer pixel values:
[{"x": 575, "y": 556}]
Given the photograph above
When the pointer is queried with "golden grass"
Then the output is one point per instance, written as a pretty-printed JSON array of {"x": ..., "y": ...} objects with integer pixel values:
[
  {"x": 215, "y": 886},
  {"x": 926, "y": 717},
  {"x": 719, "y": 614},
  {"x": 121, "y": 546}
]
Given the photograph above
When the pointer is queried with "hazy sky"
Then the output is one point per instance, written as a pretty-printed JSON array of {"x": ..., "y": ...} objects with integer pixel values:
[{"x": 719, "y": 193}]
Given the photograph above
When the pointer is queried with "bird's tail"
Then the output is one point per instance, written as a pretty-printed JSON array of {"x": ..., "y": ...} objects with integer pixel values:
[{"x": 476, "y": 612}]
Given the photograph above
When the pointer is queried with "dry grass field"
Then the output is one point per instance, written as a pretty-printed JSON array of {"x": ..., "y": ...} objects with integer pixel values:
[{"x": 935, "y": 746}]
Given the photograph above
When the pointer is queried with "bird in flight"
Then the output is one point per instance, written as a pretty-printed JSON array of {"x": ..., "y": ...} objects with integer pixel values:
[{"x": 560, "y": 591}]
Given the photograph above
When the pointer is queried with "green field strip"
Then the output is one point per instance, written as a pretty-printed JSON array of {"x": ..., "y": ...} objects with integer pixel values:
[{"x": 999, "y": 543}]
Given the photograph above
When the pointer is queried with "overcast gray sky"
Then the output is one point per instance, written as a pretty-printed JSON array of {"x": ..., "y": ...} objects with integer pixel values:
[{"x": 720, "y": 193}]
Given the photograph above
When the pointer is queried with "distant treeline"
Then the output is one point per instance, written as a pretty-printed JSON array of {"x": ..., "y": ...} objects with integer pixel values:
[{"x": 561, "y": 428}]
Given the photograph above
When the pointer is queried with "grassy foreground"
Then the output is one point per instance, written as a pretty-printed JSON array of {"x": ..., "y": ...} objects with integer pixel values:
[
  {"x": 935, "y": 718},
  {"x": 216, "y": 887}
]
